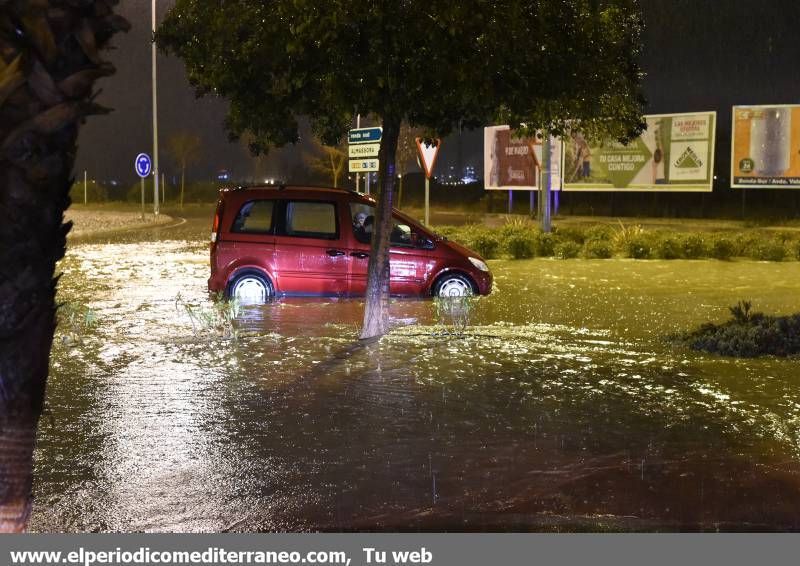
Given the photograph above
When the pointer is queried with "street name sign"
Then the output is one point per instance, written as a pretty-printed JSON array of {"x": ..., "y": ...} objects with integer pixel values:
[
  {"x": 428, "y": 154},
  {"x": 365, "y": 135},
  {"x": 363, "y": 165},
  {"x": 364, "y": 150},
  {"x": 143, "y": 165}
]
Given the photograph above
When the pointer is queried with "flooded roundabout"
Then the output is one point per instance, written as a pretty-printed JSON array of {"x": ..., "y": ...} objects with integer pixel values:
[{"x": 560, "y": 406}]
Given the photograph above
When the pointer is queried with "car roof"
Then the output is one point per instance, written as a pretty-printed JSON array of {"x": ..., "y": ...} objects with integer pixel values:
[{"x": 289, "y": 191}]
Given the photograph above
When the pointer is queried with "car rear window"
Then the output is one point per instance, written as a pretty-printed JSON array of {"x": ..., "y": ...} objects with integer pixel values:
[
  {"x": 255, "y": 217},
  {"x": 311, "y": 219}
]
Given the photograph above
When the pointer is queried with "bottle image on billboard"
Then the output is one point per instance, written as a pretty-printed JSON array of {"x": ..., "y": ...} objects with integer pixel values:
[{"x": 770, "y": 137}]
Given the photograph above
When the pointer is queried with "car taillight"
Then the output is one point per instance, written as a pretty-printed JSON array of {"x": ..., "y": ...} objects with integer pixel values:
[{"x": 215, "y": 224}]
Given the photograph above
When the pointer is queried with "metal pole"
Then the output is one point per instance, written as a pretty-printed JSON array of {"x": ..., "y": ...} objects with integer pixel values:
[
  {"x": 556, "y": 201},
  {"x": 142, "y": 180},
  {"x": 85, "y": 191},
  {"x": 163, "y": 188},
  {"x": 155, "y": 116},
  {"x": 531, "y": 204},
  {"x": 545, "y": 220},
  {"x": 367, "y": 179},
  {"x": 510, "y": 200},
  {"x": 427, "y": 201},
  {"x": 358, "y": 175}
]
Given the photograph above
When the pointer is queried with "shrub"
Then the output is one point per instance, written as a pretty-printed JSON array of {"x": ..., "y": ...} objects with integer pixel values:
[
  {"x": 668, "y": 246},
  {"x": 693, "y": 246},
  {"x": 768, "y": 250},
  {"x": 639, "y": 247},
  {"x": 747, "y": 335},
  {"x": 721, "y": 248},
  {"x": 598, "y": 249},
  {"x": 545, "y": 244},
  {"x": 483, "y": 241},
  {"x": 599, "y": 232},
  {"x": 624, "y": 235},
  {"x": 572, "y": 234},
  {"x": 567, "y": 249},
  {"x": 520, "y": 245},
  {"x": 746, "y": 244}
]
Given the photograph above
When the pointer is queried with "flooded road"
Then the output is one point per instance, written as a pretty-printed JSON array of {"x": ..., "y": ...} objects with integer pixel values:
[{"x": 559, "y": 407}]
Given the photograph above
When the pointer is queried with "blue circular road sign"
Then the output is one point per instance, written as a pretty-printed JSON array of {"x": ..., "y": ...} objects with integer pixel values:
[{"x": 143, "y": 165}]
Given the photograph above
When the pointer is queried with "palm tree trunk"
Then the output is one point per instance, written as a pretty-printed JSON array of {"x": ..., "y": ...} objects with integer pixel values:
[
  {"x": 376, "y": 309},
  {"x": 56, "y": 45}
]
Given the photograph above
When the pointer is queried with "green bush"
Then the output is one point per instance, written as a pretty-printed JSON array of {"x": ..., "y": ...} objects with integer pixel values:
[
  {"x": 572, "y": 234},
  {"x": 667, "y": 246},
  {"x": 639, "y": 247},
  {"x": 768, "y": 250},
  {"x": 746, "y": 244},
  {"x": 545, "y": 244},
  {"x": 483, "y": 241},
  {"x": 747, "y": 335},
  {"x": 598, "y": 249},
  {"x": 567, "y": 249},
  {"x": 520, "y": 245},
  {"x": 599, "y": 232},
  {"x": 693, "y": 246},
  {"x": 721, "y": 248}
]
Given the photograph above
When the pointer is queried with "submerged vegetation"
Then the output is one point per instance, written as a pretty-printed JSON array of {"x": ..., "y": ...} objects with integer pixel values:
[
  {"x": 747, "y": 334},
  {"x": 216, "y": 318},
  {"x": 522, "y": 239},
  {"x": 74, "y": 320}
]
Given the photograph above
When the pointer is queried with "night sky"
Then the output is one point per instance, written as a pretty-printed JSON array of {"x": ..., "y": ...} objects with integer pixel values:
[{"x": 698, "y": 55}]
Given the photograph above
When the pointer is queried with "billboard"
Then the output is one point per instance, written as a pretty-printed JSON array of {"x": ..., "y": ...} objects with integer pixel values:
[
  {"x": 765, "y": 149},
  {"x": 674, "y": 153},
  {"x": 514, "y": 162}
]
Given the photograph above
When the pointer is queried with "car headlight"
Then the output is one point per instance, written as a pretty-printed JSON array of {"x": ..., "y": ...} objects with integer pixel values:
[{"x": 479, "y": 264}]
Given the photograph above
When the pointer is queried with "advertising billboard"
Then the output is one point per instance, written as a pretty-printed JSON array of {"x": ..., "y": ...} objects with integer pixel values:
[
  {"x": 674, "y": 153},
  {"x": 515, "y": 162},
  {"x": 765, "y": 149}
]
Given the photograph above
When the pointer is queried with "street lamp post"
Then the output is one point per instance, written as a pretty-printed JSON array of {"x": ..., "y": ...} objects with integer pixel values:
[{"x": 156, "y": 200}]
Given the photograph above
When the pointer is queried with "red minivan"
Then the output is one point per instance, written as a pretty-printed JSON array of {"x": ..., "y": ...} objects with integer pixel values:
[{"x": 305, "y": 241}]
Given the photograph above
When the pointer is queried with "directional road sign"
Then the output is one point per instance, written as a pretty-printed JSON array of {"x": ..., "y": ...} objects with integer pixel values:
[
  {"x": 365, "y": 135},
  {"x": 364, "y": 150},
  {"x": 363, "y": 165},
  {"x": 143, "y": 165}
]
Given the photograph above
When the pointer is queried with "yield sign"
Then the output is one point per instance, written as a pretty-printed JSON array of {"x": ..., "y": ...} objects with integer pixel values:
[{"x": 427, "y": 154}]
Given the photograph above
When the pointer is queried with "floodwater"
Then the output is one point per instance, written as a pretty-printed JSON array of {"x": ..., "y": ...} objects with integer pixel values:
[{"x": 559, "y": 407}]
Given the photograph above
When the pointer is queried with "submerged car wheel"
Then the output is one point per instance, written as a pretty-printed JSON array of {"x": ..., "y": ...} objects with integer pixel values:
[
  {"x": 250, "y": 288},
  {"x": 453, "y": 285}
]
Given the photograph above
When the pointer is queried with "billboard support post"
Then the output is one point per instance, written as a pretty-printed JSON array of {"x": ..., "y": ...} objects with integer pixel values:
[
  {"x": 510, "y": 200},
  {"x": 544, "y": 196}
]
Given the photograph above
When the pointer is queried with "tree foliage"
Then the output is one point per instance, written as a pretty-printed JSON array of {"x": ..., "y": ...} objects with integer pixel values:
[{"x": 548, "y": 63}]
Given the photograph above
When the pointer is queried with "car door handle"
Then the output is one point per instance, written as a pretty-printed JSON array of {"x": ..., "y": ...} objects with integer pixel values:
[
  {"x": 359, "y": 255},
  {"x": 334, "y": 253}
]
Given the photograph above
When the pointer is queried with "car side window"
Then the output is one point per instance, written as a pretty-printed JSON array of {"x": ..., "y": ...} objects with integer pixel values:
[
  {"x": 363, "y": 216},
  {"x": 255, "y": 217},
  {"x": 307, "y": 219}
]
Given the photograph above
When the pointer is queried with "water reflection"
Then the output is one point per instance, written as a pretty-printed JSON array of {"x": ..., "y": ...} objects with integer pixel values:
[{"x": 557, "y": 407}]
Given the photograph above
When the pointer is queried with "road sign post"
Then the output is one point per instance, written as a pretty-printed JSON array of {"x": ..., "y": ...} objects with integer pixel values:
[
  {"x": 428, "y": 155},
  {"x": 143, "y": 167}
]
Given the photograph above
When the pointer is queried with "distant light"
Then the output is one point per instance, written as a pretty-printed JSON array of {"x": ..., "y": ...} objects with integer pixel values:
[{"x": 715, "y": 177}]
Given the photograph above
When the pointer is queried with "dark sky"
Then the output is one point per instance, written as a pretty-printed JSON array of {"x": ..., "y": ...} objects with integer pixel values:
[{"x": 698, "y": 55}]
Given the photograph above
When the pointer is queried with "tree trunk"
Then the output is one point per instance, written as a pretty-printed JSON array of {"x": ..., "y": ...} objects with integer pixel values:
[
  {"x": 58, "y": 64},
  {"x": 376, "y": 310}
]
